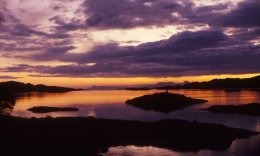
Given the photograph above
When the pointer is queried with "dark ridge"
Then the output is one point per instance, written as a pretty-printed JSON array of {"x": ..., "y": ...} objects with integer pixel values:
[
  {"x": 229, "y": 83},
  {"x": 163, "y": 102},
  {"x": 90, "y": 136},
  {"x": 18, "y": 87},
  {"x": 45, "y": 109},
  {"x": 252, "y": 109}
]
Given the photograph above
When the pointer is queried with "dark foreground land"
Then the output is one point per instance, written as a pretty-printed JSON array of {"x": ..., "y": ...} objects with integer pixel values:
[
  {"x": 164, "y": 102},
  {"x": 45, "y": 109},
  {"x": 252, "y": 109},
  {"x": 89, "y": 136}
]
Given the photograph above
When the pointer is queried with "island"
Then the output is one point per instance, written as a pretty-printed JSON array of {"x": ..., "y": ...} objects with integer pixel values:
[
  {"x": 252, "y": 109},
  {"x": 163, "y": 102},
  {"x": 91, "y": 136},
  {"x": 45, "y": 109}
]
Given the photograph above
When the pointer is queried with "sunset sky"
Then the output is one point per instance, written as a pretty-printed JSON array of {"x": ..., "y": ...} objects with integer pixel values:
[{"x": 80, "y": 43}]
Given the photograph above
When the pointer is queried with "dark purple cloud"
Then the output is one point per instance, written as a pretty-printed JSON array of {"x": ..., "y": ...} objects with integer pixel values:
[
  {"x": 17, "y": 38},
  {"x": 5, "y": 77},
  {"x": 124, "y": 14},
  {"x": 247, "y": 14},
  {"x": 19, "y": 68},
  {"x": 209, "y": 51},
  {"x": 175, "y": 45},
  {"x": 1, "y": 19},
  {"x": 127, "y": 14},
  {"x": 188, "y": 53}
]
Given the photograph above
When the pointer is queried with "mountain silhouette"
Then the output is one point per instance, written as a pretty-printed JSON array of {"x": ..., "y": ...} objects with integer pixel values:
[{"x": 228, "y": 83}]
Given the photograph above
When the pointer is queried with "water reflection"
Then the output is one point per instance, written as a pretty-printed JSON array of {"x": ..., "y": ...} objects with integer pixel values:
[
  {"x": 110, "y": 104},
  {"x": 243, "y": 147}
]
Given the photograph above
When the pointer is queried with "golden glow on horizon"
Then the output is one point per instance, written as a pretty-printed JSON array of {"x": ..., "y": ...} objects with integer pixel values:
[{"x": 88, "y": 82}]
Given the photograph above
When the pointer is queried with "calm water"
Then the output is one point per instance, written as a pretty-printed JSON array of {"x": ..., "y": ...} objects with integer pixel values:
[{"x": 110, "y": 104}]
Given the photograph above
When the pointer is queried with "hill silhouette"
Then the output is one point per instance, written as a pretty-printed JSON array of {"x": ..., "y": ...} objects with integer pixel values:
[
  {"x": 228, "y": 83},
  {"x": 18, "y": 87}
]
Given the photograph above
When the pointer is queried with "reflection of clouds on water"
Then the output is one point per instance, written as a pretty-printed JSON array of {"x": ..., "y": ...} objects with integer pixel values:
[
  {"x": 110, "y": 104},
  {"x": 246, "y": 147},
  {"x": 232, "y": 120},
  {"x": 89, "y": 113},
  {"x": 241, "y": 147},
  {"x": 139, "y": 151},
  {"x": 126, "y": 112}
]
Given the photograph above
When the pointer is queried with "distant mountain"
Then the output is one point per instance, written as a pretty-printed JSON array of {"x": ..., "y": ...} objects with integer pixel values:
[
  {"x": 94, "y": 87},
  {"x": 228, "y": 83},
  {"x": 159, "y": 85},
  {"x": 166, "y": 85},
  {"x": 18, "y": 87}
]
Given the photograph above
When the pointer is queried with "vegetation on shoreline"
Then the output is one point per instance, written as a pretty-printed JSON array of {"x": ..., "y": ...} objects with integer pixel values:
[{"x": 7, "y": 102}]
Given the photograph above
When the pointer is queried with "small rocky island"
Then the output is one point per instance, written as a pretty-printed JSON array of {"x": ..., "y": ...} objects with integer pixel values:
[
  {"x": 252, "y": 109},
  {"x": 45, "y": 109},
  {"x": 164, "y": 102}
]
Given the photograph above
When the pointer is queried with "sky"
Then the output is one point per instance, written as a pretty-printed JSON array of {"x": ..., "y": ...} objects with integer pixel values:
[{"x": 125, "y": 42}]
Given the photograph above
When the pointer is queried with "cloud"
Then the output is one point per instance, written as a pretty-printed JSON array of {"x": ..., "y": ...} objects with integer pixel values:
[
  {"x": 1, "y": 19},
  {"x": 188, "y": 53},
  {"x": 175, "y": 45},
  {"x": 5, "y": 77},
  {"x": 227, "y": 44},
  {"x": 127, "y": 13},
  {"x": 245, "y": 15},
  {"x": 17, "y": 38}
]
